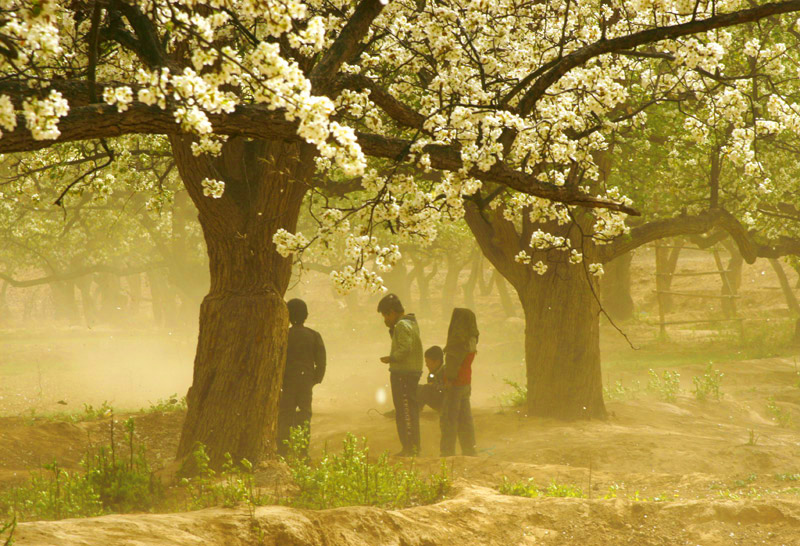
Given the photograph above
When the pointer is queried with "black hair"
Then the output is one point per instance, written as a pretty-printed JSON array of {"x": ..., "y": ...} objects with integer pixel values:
[
  {"x": 298, "y": 311},
  {"x": 389, "y": 303},
  {"x": 435, "y": 353}
]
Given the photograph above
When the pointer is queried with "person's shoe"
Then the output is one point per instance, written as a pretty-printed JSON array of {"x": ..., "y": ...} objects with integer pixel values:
[
  {"x": 389, "y": 414},
  {"x": 470, "y": 453}
]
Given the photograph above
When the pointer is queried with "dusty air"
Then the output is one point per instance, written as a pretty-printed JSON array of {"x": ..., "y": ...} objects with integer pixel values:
[{"x": 370, "y": 272}]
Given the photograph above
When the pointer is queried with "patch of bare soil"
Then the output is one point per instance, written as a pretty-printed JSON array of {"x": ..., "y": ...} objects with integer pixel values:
[{"x": 657, "y": 473}]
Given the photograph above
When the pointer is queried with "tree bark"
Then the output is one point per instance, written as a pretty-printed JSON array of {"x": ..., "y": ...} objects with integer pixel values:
[
  {"x": 505, "y": 297},
  {"x": 454, "y": 267},
  {"x": 562, "y": 328},
  {"x": 616, "y": 287},
  {"x": 666, "y": 262},
  {"x": 472, "y": 280},
  {"x": 791, "y": 299},
  {"x": 238, "y": 369},
  {"x": 562, "y": 345}
]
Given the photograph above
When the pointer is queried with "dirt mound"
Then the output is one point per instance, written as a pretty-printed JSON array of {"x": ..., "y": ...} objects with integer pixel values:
[{"x": 476, "y": 515}]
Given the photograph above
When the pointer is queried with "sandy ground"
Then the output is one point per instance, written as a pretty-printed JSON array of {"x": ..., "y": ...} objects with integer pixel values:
[{"x": 654, "y": 473}]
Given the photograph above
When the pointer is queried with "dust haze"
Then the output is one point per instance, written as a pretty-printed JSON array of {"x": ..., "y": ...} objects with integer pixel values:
[{"x": 675, "y": 452}]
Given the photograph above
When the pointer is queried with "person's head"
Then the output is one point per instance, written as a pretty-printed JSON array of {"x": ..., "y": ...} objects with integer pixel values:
[
  {"x": 391, "y": 309},
  {"x": 434, "y": 357},
  {"x": 298, "y": 311}
]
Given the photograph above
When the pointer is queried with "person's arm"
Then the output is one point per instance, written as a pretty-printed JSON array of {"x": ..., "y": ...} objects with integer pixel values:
[
  {"x": 320, "y": 359},
  {"x": 402, "y": 342}
]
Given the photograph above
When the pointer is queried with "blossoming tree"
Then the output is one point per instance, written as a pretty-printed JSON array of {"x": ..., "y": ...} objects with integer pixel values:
[{"x": 262, "y": 99}]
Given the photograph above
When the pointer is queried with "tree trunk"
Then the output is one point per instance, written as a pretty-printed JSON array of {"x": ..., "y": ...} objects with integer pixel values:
[
  {"x": 562, "y": 328},
  {"x": 64, "y": 305},
  {"x": 84, "y": 285},
  {"x": 238, "y": 369},
  {"x": 472, "y": 280},
  {"x": 398, "y": 282},
  {"x": 666, "y": 263},
  {"x": 4, "y": 310},
  {"x": 616, "y": 287},
  {"x": 791, "y": 299},
  {"x": 562, "y": 345},
  {"x": 454, "y": 267},
  {"x": 505, "y": 297}
]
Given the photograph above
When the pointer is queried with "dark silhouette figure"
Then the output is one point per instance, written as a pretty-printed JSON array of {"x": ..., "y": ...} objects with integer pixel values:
[{"x": 305, "y": 367}]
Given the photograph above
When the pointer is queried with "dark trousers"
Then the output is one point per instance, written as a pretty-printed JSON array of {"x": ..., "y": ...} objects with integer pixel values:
[
  {"x": 406, "y": 410},
  {"x": 455, "y": 420},
  {"x": 294, "y": 411},
  {"x": 429, "y": 395}
]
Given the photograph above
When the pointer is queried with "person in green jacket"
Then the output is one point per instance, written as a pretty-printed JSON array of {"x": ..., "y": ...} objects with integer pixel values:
[{"x": 405, "y": 369}]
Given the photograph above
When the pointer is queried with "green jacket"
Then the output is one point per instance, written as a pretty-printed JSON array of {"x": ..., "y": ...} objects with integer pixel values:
[{"x": 406, "y": 354}]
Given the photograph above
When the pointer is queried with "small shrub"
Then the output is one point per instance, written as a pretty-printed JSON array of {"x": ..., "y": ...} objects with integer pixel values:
[
  {"x": 529, "y": 489},
  {"x": 7, "y": 530},
  {"x": 788, "y": 477},
  {"x": 781, "y": 416},
  {"x": 518, "y": 396},
  {"x": 167, "y": 405},
  {"x": 90, "y": 413},
  {"x": 350, "y": 478},
  {"x": 113, "y": 480},
  {"x": 665, "y": 387},
  {"x": 235, "y": 484},
  {"x": 620, "y": 392},
  {"x": 707, "y": 385},
  {"x": 752, "y": 437}
]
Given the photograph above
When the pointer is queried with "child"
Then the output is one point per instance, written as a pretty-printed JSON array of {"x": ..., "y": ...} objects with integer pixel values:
[
  {"x": 305, "y": 367},
  {"x": 432, "y": 392},
  {"x": 405, "y": 369},
  {"x": 456, "y": 416}
]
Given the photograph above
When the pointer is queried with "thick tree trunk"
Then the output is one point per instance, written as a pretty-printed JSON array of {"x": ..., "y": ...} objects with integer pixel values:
[
  {"x": 616, "y": 287},
  {"x": 562, "y": 329},
  {"x": 562, "y": 345},
  {"x": 238, "y": 369}
]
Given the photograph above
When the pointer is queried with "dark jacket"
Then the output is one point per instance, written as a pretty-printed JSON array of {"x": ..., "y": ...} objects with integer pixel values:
[
  {"x": 462, "y": 341},
  {"x": 305, "y": 357},
  {"x": 406, "y": 353}
]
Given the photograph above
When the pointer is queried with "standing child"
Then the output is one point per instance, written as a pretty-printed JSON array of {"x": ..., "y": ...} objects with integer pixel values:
[
  {"x": 305, "y": 367},
  {"x": 455, "y": 419},
  {"x": 405, "y": 369}
]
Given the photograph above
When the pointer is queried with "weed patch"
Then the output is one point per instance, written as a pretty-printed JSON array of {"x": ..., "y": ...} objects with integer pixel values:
[
  {"x": 665, "y": 387},
  {"x": 351, "y": 478},
  {"x": 778, "y": 414},
  {"x": 517, "y": 397},
  {"x": 529, "y": 489},
  {"x": 707, "y": 385}
]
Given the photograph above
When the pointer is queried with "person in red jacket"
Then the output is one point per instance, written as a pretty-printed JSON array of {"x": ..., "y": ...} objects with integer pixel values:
[{"x": 455, "y": 420}]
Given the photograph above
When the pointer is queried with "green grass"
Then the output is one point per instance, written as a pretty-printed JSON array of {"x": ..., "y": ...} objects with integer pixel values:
[
  {"x": 530, "y": 489},
  {"x": 352, "y": 478}
]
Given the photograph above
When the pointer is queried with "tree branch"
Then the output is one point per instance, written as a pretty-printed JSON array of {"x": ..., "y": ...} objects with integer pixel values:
[
  {"x": 346, "y": 46},
  {"x": 636, "y": 39},
  {"x": 80, "y": 273},
  {"x": 258, "y": 122}
]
